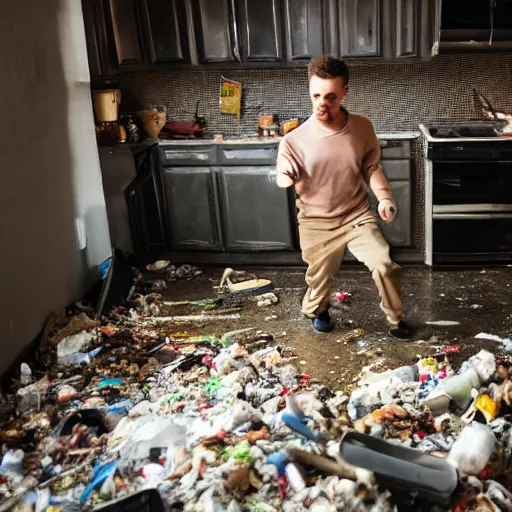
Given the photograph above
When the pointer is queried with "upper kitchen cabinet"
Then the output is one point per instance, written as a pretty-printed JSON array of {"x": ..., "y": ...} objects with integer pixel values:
[
  {"x": 125, "y": 37},
  {"x": 385, "y": 29},
  {"x": 261, "y": 27},
  {"x": 215, "y": 30},
  {"x": 413, "y": 32},
  {"x": 95, "y": 35},
  {"x": 307, "y": 30},
  {"x": 361, "y": 29},
  {"x": 165, "y": 23}
]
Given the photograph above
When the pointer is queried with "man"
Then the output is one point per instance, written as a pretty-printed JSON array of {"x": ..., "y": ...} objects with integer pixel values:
[{"x": 331, "y": 159}]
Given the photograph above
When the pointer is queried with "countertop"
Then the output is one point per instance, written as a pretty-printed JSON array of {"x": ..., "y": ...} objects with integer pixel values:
[
  {"x": 275, "y": 140},
  {"x": 141, "y": 146}
]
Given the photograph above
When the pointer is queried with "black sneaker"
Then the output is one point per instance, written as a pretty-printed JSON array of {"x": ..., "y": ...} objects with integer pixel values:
[
  {"x": 322, "y": 322},
  {"x": 401, "y": 331}
]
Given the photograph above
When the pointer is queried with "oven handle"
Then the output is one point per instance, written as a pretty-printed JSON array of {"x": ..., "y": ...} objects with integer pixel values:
[
  {"x": 471, "y": 216},
  {"x": 471, "y": 208}
]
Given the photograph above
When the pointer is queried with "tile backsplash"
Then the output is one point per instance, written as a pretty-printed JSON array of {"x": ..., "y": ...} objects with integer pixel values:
[{"x": 396, "y": 97}]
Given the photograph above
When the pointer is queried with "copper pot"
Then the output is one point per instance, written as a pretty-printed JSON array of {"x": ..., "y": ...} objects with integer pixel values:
[
  {"x": 106, "y": 105},
  {"x": 152, "y": 121}
]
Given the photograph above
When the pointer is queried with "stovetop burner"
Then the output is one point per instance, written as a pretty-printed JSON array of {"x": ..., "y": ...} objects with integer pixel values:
[{"x": 465, "y": 130}]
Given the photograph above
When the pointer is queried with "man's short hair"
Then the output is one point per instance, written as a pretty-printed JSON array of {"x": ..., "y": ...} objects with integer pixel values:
[{"x": 328, "y": 67}]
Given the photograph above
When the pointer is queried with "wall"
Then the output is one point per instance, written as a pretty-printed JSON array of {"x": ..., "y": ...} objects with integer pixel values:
[
  {"x": 49, "y": 168},
  {"x": 395, "y": 96}
]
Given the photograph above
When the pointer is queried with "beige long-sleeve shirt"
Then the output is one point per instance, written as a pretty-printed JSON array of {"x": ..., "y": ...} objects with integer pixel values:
[{"x": 334, "y": 168}]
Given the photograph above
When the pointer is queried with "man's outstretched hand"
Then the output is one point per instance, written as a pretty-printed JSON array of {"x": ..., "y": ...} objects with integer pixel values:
[{"x": 387, "y": 210}]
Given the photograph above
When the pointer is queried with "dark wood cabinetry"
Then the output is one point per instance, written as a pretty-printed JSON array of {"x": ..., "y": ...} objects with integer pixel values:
[
  {"x": 128, "y": 35},
  {"x": 360, "y": 23},
  {"x": 125, "y": 37},
  {"x": 216, "y": 33},
  {"x": 165, "y": 24},
  {"x": 261, "y": 24},
  {"x": 307, "y": 29}
]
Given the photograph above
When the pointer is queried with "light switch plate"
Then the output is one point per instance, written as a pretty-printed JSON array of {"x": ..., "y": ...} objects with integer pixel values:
[{"x": 81, "y": 235}]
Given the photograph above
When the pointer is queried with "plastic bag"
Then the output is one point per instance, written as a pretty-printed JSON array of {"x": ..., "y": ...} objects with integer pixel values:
[{"x": 471, "y": 451}]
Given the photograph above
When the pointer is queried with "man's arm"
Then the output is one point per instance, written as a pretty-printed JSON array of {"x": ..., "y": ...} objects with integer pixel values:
[
  {"x": 380, "y": 187},
  {"x": 374, "y": 176},
  {"x": 286, "y": 166}
]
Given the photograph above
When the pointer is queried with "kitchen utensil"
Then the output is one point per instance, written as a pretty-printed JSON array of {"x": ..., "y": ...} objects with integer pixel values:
[
  {"x": 152, "y": 121},
  {"x": 106, "y": 104}
]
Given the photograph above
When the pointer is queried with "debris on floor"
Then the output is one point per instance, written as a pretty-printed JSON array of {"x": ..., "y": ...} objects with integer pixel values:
[{"x": 130, "y": 409}]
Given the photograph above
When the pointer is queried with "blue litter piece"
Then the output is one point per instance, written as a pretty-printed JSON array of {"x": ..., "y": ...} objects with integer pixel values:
[
  {"x": 103, "y": 267},
  {"x": 297, "y": 426},
  {"x": 280, "y": 460},
  {"x": 121, "y": 407},
  {"x": 99, "y": 475},
  {"x": 110, "y": 382},
  {"x": 95, "y": 352}
]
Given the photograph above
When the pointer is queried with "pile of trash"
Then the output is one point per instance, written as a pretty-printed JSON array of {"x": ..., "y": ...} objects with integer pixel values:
[{"x": 132, "y": 412}]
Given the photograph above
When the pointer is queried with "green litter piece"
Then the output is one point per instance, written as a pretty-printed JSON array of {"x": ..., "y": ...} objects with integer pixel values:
[
  {"x": 212, "y": 386},
  {"x": 259, "y": 506},
  {"x": 171, "y": 399},
  {"x": 240, "y": 452}
]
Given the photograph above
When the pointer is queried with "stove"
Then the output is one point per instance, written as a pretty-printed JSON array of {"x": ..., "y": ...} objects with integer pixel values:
[
  {"x": 440, "y": 132},
  {"x": 468, "y": 193},
  {"x": 467, "y": 141}
]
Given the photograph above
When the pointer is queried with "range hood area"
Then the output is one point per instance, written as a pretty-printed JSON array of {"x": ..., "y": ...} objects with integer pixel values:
[{"x": 476, "y": 26}]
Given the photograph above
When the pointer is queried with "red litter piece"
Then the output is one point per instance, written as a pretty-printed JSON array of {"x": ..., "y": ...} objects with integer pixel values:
[
  {"x": 342, "y": 296},
  {"x": 178, "y": 407}
]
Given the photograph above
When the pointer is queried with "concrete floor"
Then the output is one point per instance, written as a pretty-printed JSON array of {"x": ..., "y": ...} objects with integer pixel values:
[{"x": 479, "y": 299}]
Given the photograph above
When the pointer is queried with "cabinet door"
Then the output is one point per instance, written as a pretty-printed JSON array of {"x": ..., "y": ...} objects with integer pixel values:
[
  {"x": 305, "y": 29},
  {"x": 261, "y": 22},
  {"x": 413, "y": 32},
  {"x": 192, "y": 208},
  {"x": 94, "y": 22},
  {"x": 215, "y": 31},
  {"x": 125, "y": 35},
  {"x": 166, "y": 25},
  {"x": 398, "y": 233},
  {"x": 360, "y": 28},
  {"x": 255, "y": 211}
]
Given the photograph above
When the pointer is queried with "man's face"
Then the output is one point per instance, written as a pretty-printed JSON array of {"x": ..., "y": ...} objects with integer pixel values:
[{"x": 326, "y": 96}]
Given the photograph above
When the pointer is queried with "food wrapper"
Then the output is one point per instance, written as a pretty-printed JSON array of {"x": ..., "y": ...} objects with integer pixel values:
[{"x": 230, "y": 99}]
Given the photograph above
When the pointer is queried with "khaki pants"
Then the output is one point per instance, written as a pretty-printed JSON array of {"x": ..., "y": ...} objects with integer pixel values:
[{"x": 323, "y": 244}]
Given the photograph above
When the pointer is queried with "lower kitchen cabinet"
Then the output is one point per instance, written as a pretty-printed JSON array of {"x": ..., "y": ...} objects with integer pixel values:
[
  {"x": 256, "y": 213},
  {"x": 398, "y": 233},
  {"x": 191, "y": 201}
]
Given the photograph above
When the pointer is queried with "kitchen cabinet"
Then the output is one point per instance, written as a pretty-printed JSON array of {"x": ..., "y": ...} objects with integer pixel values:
[
  {"x": 165, "y": 23},
  {"x": 361, "y": 30},
  {"x": 125, "y": 36},
  {"x": 146, "y": 212},
  {"x": 397, "y": 168},
  {"x": 413, "y": 28},
  {"x": 398, "y": 233},
  {"x": 191, "y": 200},
  {"x": 216, "y": 33},
  {"x": 261, "y": 28},
  {"x": 307, "y": 31},
  {"x": 95, "y": 36},
  {"x": 255, "y": 212}
]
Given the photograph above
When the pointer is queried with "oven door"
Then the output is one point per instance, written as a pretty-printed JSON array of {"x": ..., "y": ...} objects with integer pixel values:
[
  {"x": 467, "y": 238},
  {"x": 473, "y": 183}
]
